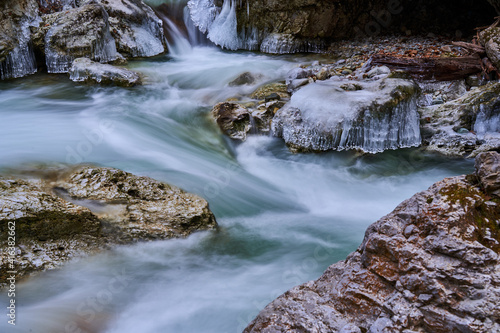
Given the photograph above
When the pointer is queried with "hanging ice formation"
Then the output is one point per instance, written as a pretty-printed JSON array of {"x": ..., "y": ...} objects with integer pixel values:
[
  {"x": 371, "y": 118},
  {"x": 221, "y": 25},
  {"x": 21, "y": 60},
  {"x": 102, "y": 47}
]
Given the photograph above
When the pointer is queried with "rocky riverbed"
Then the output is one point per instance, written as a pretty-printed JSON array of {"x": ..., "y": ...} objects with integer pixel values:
[
  {"x": 432, "y": 265},
  {"x": 61, "y": 214}
]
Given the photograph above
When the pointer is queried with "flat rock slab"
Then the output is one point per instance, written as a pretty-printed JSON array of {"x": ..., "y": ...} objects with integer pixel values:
[{"x": 88, "y": 71}]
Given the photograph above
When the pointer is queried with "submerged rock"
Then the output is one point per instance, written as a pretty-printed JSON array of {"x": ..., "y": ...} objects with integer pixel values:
[
  {"x": 82, "y": 211},
  {"x": 338, "y": 114},
  {"x": 88, "y": 71},
  {"x": 465, "y": 126},
  {"x": 432, "y": 265}
]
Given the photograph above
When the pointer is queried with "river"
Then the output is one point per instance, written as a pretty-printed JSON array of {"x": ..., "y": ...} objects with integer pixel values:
[{"x": 283, "y": 217}]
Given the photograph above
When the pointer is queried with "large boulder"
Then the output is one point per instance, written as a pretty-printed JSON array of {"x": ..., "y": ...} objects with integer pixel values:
[
  {"x": 70, "y": 213},
  {"x": 488, "y": 172},
  {"x": 88, "y": 71},
  {"x": 432, "y": 265},
  {"x": 79, "y": 32},
  {"x": 339, "y": 114},
  {"x": 465, "y": 126}
]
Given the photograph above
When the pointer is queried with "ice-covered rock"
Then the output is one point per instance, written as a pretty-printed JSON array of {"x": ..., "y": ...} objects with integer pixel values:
[
  {"x": 432, "y": 265},
  {"x": 464, "y": 126},
  {"x": 80, "y": 32},
  {"x": 337, "y": 114},
  {"x": 60, "y": 214},
  {"x": 135, "y": 27},
  {"x": 88, "y": 71},
  {"x": 17, "y": 58}
]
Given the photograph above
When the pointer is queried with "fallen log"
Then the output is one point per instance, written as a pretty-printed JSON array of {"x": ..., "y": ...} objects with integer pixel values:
[
  {"x": 439, "y": 69},
  {"x": 479, "y": 49}
]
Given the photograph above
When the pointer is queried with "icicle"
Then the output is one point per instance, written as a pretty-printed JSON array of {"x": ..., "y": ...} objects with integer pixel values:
[
  {"x": 487, "y": 121},
  {"x": 323, "y": 117},
  {"x": 21, "y": 60},
  {"x": 223, "y": 31}
]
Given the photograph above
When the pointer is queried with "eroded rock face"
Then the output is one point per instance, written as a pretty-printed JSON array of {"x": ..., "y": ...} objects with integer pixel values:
[
  {"x": 340, "y": 114},
  {"x": 82, "y": 211},
  {"x": 88, "y": 71},
  {"x": 305, "y": 25},
  {"x": 432, "y": 265},
  {"x": 465, "y": 126}
]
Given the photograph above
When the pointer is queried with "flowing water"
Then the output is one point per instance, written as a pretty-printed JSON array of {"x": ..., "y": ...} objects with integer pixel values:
[{"x": 283, "y": 218}]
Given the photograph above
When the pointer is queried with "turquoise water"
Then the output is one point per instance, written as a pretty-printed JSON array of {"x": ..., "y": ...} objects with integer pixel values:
[{"x": 284, "y": 217}]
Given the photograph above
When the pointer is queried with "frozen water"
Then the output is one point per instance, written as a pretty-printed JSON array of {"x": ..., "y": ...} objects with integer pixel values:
[
  {"x": 323, "y": 116},
  {"x": 21, "y": 60}
]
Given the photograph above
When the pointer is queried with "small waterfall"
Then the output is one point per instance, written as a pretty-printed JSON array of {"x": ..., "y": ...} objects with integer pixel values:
[
  {"x": 487, "y": 121},
  {"x": 178, "y": 43},
  {"x": 21, "y": 60}
]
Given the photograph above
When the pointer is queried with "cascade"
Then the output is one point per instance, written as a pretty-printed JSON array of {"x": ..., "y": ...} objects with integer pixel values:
[{"x": 178, "y": 43}]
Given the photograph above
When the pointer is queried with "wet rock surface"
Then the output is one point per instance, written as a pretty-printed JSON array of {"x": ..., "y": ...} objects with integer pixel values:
[
  {"x": 305, "y": 26},
  {"x": 81, "y": 211},
  {"x": 432, "y": 265},
  {"x": 233, "y": 119},
  {"x": 87, "y": 71}
]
